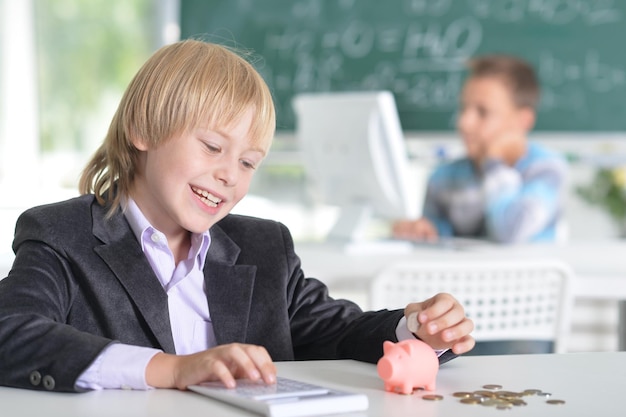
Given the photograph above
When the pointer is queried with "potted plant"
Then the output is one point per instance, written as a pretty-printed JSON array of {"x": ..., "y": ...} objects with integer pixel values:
[{"x": 607, "y": 189}]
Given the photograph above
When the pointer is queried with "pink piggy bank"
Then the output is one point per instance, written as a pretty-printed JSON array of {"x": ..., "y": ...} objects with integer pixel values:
[{"x": 407, "y": 365}]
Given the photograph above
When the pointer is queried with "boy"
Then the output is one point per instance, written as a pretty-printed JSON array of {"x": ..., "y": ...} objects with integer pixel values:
[
  {"x": 505, "y": 189},
  {"x": 147, "y": 281}
]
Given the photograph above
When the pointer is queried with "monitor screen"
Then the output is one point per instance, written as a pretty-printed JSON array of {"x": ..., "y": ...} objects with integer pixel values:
[{"x": 355, "y": 156}]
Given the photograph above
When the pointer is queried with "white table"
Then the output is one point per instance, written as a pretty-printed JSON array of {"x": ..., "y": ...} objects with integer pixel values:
[
  {"x": 590, "y": 383},
  {"x": 599, "y": 266}
]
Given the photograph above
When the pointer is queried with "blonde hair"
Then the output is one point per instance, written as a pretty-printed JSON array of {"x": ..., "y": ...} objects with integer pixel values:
[
  {"x": 516, "y": 73},
  {"x": 182, "y": 86}
]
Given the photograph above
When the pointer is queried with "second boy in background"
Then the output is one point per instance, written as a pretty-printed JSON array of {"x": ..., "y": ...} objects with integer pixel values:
[{"x": 506, "y": 189}]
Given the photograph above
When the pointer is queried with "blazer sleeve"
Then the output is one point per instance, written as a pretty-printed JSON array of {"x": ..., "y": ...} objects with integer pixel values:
[
  {"x": 37, "y": 350},
  {"x": 326, "y": 328}
]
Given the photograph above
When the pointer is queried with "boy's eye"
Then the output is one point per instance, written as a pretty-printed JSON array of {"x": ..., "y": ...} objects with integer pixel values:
[
  {"x": 482, "y": 112},
  {"x": 212, "y": 148},
  {"x": 248, "y": 164}
]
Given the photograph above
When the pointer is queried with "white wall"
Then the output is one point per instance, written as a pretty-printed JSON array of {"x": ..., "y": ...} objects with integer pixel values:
[{"x": 19, "y": 133}]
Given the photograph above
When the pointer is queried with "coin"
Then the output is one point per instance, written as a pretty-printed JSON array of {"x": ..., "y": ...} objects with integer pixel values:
[
  {"x": 471, "y": 400},
  {"x": 432, "y": 397},
  {"x": 493, "y": 396},
  {"x": 486, "y": 394},
  {"x": 411, "y": 323},
  {"x": 490, "y": 402},
  {"x": 508, "y": 394},
  {"x": 558, "y": 402},
  {"x": 531, "y": 392}
]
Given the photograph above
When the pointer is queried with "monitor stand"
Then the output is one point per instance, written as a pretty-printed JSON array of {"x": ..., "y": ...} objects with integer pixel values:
[
  {"x": 352, "y": 224},
  {"x": 352, "y": 233}
]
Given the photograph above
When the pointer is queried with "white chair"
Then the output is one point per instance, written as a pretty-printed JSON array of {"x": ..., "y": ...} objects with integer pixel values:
[
  {"x": 6, "y": 261},
  {"x": 510, "y": 301}
]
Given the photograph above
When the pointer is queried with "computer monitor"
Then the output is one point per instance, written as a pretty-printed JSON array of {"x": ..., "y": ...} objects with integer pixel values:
[{"x": 355, "y": 156}]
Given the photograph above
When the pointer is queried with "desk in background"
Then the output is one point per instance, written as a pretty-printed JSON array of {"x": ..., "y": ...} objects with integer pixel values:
[
  {"x": 590, "y": 383},
  {"x": 599, "y": 266}
]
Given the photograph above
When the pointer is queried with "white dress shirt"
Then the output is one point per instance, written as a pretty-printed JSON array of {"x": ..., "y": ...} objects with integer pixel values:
[{"x": 123, "y": 366}]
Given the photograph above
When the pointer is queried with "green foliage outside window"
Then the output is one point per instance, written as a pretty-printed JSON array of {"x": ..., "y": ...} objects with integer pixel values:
[{"x": 87, "y": 52}]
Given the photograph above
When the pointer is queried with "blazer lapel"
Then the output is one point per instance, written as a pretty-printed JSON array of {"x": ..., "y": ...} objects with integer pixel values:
[
  {"x": 123, "y": 255},
  {"x": 229, "y": 288}
]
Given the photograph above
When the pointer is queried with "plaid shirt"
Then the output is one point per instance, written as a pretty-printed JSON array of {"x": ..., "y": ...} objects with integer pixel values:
[{"x": 523, "y": 203}]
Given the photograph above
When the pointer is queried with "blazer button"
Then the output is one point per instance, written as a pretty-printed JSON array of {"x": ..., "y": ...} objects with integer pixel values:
[
  {"x": 48, "y": 382},
  {"x": 35, "y": 378}
]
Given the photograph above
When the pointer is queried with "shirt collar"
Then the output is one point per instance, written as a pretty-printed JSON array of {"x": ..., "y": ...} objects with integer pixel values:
[{"x": 139, "y": 225}]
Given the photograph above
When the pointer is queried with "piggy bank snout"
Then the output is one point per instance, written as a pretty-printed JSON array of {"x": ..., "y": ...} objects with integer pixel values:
[
  {"x": 385, "y": 368},
  {"x": 407, "y": 365}
]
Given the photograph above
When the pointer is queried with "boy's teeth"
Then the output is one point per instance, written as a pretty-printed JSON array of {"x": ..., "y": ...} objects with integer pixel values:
[{"x": 208, "y": 198}]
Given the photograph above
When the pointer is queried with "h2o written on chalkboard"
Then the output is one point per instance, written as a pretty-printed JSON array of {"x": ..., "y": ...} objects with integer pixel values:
[{"x": 418, "y": 49}]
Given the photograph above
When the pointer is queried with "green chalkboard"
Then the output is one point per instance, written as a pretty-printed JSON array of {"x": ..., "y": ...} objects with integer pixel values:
[{"x": 417, "y": 49}]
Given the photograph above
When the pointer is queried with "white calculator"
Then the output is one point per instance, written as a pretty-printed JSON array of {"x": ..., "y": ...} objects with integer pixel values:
[{"x": 286, "y": 398}]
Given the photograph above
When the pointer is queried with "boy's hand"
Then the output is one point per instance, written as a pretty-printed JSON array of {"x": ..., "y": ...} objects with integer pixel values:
[
  {"x": 224, "y": 363},
  {"x": 421, "y": 229},
  {"x": 443, "y": 324},
  {"x": 507, "y": 149}
]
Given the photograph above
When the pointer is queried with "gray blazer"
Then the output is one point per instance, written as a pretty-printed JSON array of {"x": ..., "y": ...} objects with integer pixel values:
[{"x": 81, "y": 281}]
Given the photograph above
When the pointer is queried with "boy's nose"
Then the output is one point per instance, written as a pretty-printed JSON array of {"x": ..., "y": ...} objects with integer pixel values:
[
  {"x": 464, "y": 121},
  {"x": 226, "y": 172}
]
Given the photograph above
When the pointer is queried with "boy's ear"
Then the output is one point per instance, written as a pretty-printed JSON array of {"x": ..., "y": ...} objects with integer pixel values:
[
  {"x": 527, "y": 118},
  {"x": 139, "y": 143}
]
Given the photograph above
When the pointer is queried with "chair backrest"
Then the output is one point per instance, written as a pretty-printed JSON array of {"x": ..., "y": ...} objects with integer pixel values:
[{"x": 528, "y": 300}]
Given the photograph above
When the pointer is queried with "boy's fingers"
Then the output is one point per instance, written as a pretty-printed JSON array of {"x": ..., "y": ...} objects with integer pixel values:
[
  {"x": 436, "y": 307},
  {"x": 458, "y": 331},
  {"x": 448, "y": 322},
  {"x": 263, "y": 364},
  {"x": 222, "y": 373},
  {"x": 227, "y": 363},
  {"x": 464, "y": 345}
]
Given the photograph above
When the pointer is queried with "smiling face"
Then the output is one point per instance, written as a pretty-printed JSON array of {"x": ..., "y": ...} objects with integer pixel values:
[
  {"x": 192, "y": 180},
  {"x": 488, "y": 114}
]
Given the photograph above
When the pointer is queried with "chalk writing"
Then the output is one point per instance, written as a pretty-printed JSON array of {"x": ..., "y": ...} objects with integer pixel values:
[{"x": 418, "y": 49}]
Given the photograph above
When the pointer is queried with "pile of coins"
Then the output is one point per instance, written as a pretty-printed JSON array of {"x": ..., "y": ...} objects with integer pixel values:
[{"x": 492, "y": 395}]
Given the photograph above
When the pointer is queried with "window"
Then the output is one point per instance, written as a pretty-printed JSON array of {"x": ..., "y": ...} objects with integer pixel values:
[{"x": 64, "y": 65}]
